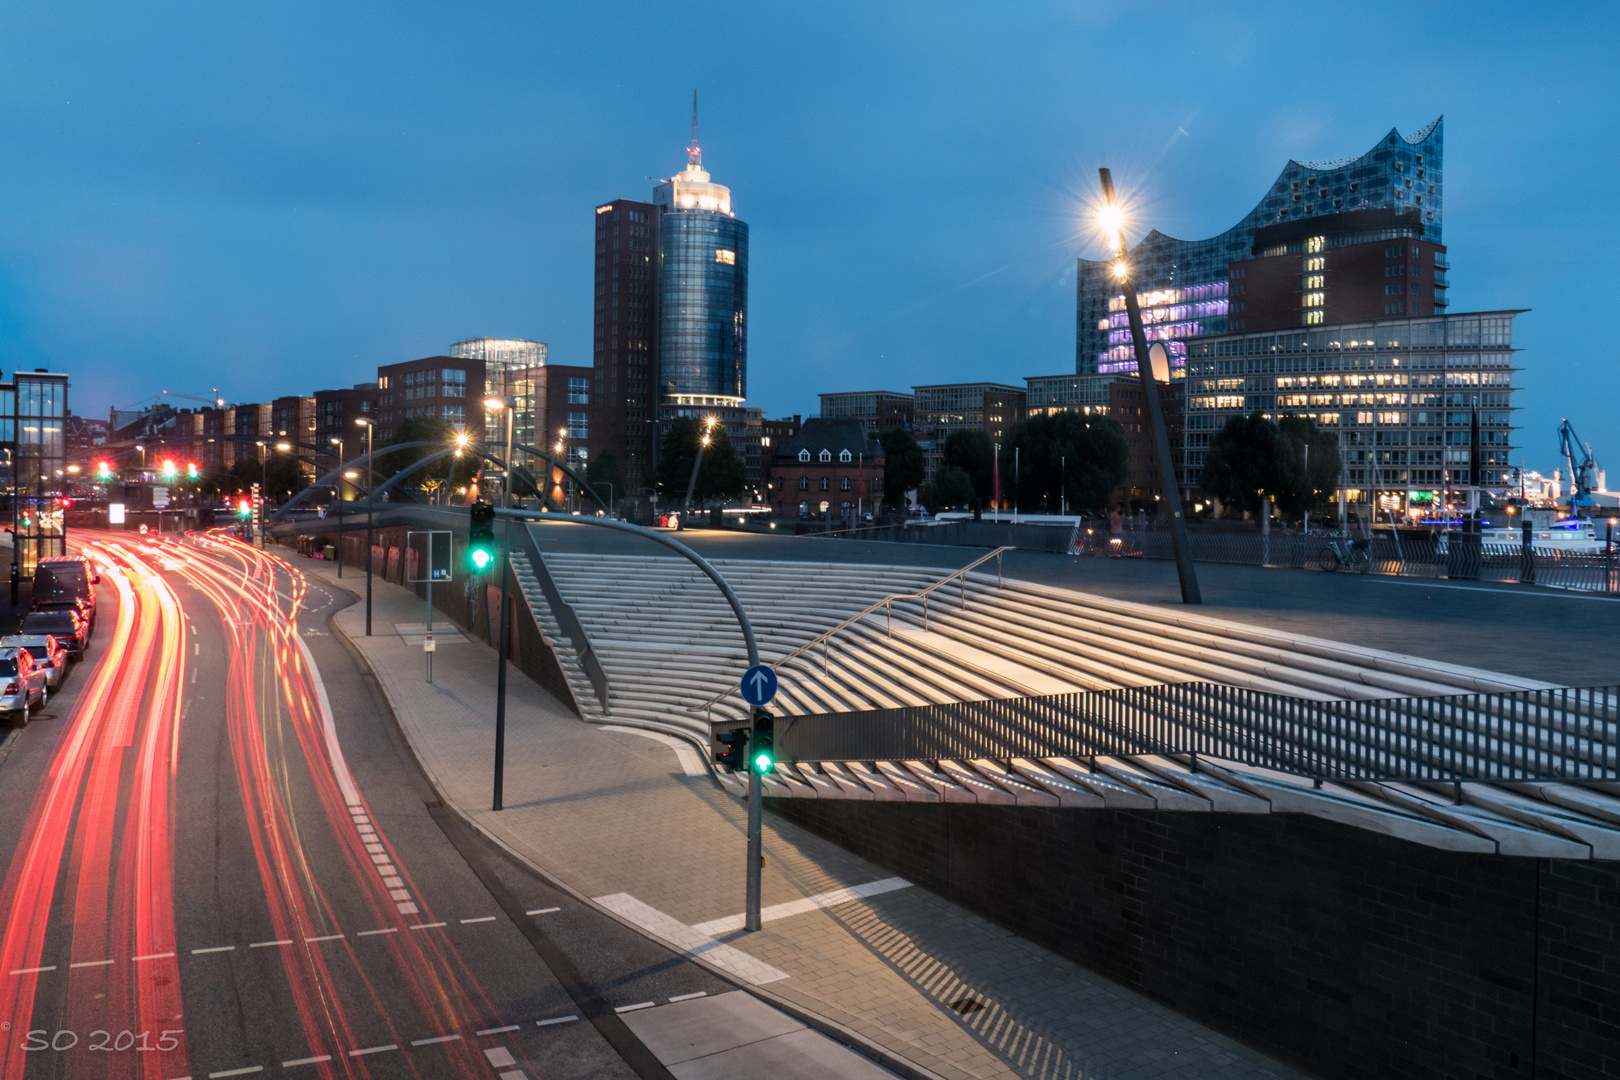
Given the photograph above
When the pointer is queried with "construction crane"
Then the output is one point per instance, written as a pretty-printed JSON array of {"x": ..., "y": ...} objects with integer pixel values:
[
  {"x": 216, "y": 401},
  {"x": 1583, "y": 477}
]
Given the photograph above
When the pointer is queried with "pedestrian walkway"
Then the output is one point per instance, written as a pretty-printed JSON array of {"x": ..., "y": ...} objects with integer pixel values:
[{"x": 618, "y": 817}]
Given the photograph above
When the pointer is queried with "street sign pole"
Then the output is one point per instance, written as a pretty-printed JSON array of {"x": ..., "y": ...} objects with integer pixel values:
[
  {"x": 434, "y": 566},
  {"x": 758, "y": 688}
]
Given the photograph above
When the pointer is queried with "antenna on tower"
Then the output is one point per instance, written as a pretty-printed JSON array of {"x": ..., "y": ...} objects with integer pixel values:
[{"x": 694, "y": 153}]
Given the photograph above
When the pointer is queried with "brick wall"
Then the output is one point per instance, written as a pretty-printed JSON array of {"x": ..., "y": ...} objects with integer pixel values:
[{"x": 1344, "y": 953}]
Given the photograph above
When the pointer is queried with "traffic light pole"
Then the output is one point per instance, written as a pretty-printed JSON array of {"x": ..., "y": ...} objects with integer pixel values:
[{"x": 506, "y": 563}]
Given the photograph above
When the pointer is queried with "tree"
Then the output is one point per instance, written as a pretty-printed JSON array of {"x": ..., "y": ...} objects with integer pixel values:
[
  {"x": 721, "y": 475},
  {"x": 1249, "y": 458},
  {"x": 951, "y": 487},
  {"x": 282, "y": 477},
  {"x": 603, "y": 474},
  {"x": 971, "y": 450},
  {"x": 903, "y": 466},
  {"x": 1064, "y": 457},
  {"x": 1310, "y": 488},
  {"x": 455, "y": 471}
]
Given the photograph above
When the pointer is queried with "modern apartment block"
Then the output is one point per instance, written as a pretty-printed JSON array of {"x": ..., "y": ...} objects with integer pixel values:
[
  {"x": 1404, "y": 396},
  {"x": 336, "y": 412},
  {"x": 1390, "y": 195},
  {"x": 874, "y": 410},
  {"x": 434, "y": 386},
  {"x": 624, "y": 406},
  {"x": 946, "y": 407}
]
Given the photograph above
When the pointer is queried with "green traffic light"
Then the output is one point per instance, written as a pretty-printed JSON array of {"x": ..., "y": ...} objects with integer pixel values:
[
  {"x": 763, "y": 763},
  {"x": 481, "y": 558}
]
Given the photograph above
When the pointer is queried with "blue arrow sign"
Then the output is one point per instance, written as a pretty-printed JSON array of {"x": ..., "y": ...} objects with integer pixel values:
[{"x": 758, "y": 685}]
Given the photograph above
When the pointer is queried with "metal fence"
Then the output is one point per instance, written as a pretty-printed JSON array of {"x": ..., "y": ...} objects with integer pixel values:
[
  {"x": 1404, "y": 555},
  {"x": 1567, "y": 735}
]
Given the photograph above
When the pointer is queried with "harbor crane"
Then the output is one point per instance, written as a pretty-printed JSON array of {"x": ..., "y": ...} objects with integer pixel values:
[{"x": 1583, "y": 476}]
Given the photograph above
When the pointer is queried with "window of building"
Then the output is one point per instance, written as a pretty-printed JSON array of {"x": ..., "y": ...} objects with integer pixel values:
[
  {"x": 804, "y": 483},
  {"x": 456, "y": 414},
  {"x": 1315, "y": 281},
  {"x": 826, "y": 455},
  {"x": 844, "y": 455},
  {"x": 721, "y": 255},
  {"x": 825, "y": 484},
  {"x": 1315, "y": 244},
  {"x": 579, "y": 425},
  {"x": 578, "y": 391},
  {"x": 804, "y": 455},
  {"x": 1315, "y": 264},
  {"x": 455, "y": 382},
  {"x": 843, "y": 483}
]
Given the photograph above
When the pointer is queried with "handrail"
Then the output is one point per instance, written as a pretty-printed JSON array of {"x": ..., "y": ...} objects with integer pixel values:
[{"x": 886, "y": 601}]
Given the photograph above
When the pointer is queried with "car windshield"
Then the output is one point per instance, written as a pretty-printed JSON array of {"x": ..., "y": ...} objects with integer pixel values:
[
  {"x": 8, "y": 665},
  {"x": 48, "y": 620},
  {"x": 38, "y": 652}
]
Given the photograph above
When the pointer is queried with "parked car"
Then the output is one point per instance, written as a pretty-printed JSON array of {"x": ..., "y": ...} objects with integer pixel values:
[
  {"x": 47, "y": 653},
  {"x": 67, "y": 627},
  {"x": 22, "y": 685},
  {"x": 66, "y": 577},
  {"x": 74, "y": 604}
]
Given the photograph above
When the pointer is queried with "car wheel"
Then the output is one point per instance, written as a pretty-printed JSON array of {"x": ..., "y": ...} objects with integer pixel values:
[{"x": 44, "y": 695}]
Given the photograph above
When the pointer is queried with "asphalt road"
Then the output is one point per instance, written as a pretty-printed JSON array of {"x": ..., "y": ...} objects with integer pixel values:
[{"x": 203, "y": 881}]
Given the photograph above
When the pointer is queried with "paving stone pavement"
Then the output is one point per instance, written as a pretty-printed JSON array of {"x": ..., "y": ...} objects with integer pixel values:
[{"x": 614, "y": 815}]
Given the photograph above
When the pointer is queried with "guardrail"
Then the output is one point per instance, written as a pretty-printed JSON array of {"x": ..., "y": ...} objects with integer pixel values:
[
  {"x": 568, "y": 621},
  {"x": 1564, "y": 735},
  {"x": 886, "y": 603}
]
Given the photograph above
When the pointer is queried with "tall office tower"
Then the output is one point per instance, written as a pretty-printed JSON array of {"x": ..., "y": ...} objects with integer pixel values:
[
  {"x": 703, "y": 286},
  {"x": 1192, "y": 288},
  {"x": 623, "y": 409}
]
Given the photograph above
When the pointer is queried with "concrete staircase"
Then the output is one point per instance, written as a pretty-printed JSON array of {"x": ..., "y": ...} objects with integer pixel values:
[{"x": 670, "y": 644}]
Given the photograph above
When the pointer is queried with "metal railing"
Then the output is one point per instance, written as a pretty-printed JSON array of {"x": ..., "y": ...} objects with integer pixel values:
[
  {"x": 1565, "y": 735},
  {"x": 568, "y": 621},
  {"x": 887, "y": 603}
]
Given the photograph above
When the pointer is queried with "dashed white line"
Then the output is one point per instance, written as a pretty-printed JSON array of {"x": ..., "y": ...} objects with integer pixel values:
[
  {"x": 542, "y": 911},
  {"x": 435, "y": 1039},
  {"x": 499, "y": 1056},
  {"x": 156, "y": 956},
  {"x": 428, "y": 925},
  {"x": 556, "y": 1020},
  {"x": 90, "y": 963},
  {"x": 370, "y": 933},
  {"x": 236, "y": 1072},
  {"x": 213, "y": 948},
  {"x": 269, "y": 944},
  {"x": 326, "y": 937},
  {"x": 688, "y": 997},
  {"x": 373, "y": 1050},
  {"x": 500, "y": 1030},
  {"x": 485, "y": 918},
  {"x": 637, "y": 1005},
  {"x": 34, "y": 970},
  {"x": 316, "y": 1060}
]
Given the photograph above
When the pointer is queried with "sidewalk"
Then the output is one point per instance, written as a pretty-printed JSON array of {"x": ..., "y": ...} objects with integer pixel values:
[{"x": 637, "y": 825}]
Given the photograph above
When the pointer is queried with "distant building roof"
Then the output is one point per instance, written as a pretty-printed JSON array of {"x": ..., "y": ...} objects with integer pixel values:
[{"x": 818, "y": 434}]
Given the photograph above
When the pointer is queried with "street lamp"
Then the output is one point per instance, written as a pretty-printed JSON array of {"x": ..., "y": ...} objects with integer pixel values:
[
  {"x": 371, "y": 484},
  {"x": 338, "y": 442},
  {"x": 507, "y": 407},
  {"x": 264, "y": 486},
  {"x": 1111, "y": 220}
]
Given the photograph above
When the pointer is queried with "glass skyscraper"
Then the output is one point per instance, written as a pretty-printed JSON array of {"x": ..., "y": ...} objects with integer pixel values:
[
  {"x": 703, "y": 289},
  {"x": 1184, "y": 283}
]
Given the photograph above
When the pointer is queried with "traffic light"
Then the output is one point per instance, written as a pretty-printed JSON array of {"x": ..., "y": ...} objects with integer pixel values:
[
  {"x": 191, "y": 470},
  {"x": 481, "y": 536},
  {"x": 764, "y": 749},
  {"x": 169, "y": 470},
  {"x": 244, "y": 510},
  {"x": 736, "y": 747},
  {"x": 103, "y": 471}
]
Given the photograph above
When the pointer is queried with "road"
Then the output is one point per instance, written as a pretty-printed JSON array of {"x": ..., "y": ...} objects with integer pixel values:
[{"x": 221, "y": 861}]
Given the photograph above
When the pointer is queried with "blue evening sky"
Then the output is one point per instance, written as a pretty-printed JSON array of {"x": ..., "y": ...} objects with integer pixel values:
[{"x": 276, "y": 198}]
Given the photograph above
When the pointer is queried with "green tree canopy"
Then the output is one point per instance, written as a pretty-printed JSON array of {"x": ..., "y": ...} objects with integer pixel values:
[
  {"x": 282, "y": 474},
  {"x": 971, "y": 450},
  {"x": 1249, "y": 458},
  {"x": 1316, "y": 453},
  {"x": 721, "y": 476},
  {"x": 1067, "y": 456},
  {"x": 454, "y": 471},
  {"x": 950, "y": 489},
  {"x": 603, "y": 474},
  {"x": 903, "y": 466}
]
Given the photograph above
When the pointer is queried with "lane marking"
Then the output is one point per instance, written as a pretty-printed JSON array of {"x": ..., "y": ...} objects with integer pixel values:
[
  {"x": 832, "y": 897},
  {"x": 236, "y": 1072},
  {"x": 485, "y": 918},
  {"x": 373, "y": 1050},
  {"x": 215, "y": 948},
  {"x": 90, "y": 963},
  {"x": 428, "y": 925},
  {"x": 688, "y": 997},
  {"x": 542, "y": 911},
  {"x": 500, "y": 1057},
  {"x": 369, "y": 933},
  {"x": 34, "y": 970},
  {"x": 499, "y": 1030},
  {"x": 690, "y": 941},
  {"x": 269, "y": 944},
  {"x": 637, "y": 1005},
  {"x": 316, "y": 1060},
  {"x": 196, "y": 646},
  {"x": 513, "y": 1074},
  {"x": 156, "y": 956},
  {"x": 435, "y": 1039},
  {"x": 326, "y": 937},
  {"x": 556, "y": 1020}
]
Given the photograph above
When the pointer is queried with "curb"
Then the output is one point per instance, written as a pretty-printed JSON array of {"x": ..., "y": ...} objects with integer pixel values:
[{"x": 813, "y": 1020}]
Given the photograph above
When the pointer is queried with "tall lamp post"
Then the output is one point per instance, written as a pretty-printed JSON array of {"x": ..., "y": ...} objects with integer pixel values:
[
  {"x": 1112, "y": 220},
  {"x": 371, "y": 483},
  {"x": 264, "y": 487},
  {"x": 506, "y": 406},
  {"x": 338, "y": 442}
]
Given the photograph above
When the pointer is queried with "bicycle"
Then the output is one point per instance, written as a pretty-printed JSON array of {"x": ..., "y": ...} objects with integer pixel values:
[{"x": 1344, "y": 555}]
